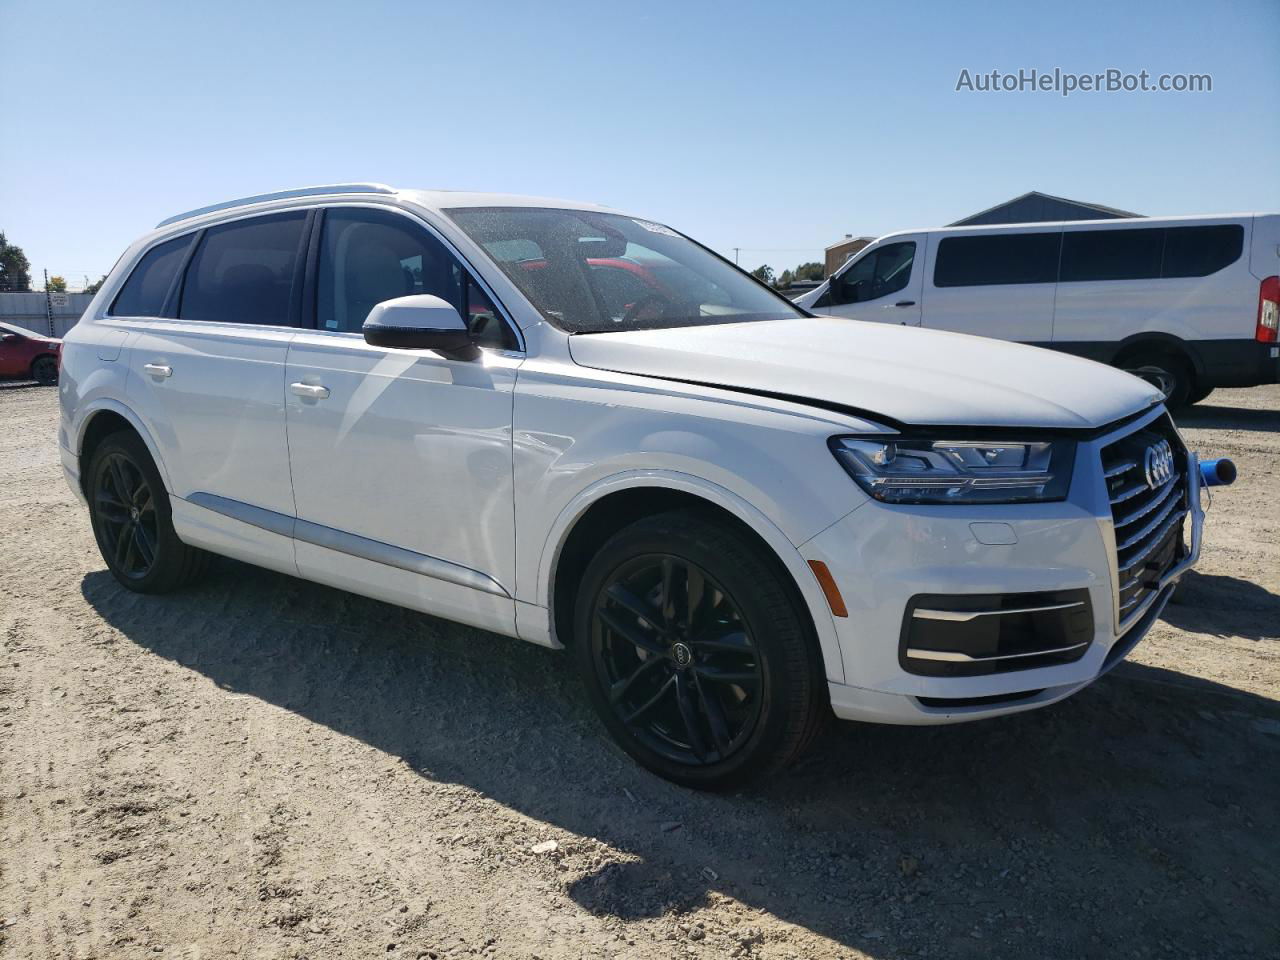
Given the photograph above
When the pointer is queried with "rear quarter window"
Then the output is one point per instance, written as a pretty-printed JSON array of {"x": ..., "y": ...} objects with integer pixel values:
[
  {"x": 1200, "y": 251},
  {"x": 144, "y": 293}
]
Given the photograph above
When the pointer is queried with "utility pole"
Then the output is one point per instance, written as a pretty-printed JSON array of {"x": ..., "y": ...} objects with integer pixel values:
[
  {"x": 48, "y": 303},
  {"x": 735, "y": 254}
]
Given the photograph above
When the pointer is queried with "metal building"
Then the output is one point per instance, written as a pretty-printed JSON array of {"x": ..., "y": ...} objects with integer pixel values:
[{"x": 1036, "y": 207}]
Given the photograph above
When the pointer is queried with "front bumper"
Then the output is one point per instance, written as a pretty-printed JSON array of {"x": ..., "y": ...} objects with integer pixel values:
[{"x": 882, "y": 556}]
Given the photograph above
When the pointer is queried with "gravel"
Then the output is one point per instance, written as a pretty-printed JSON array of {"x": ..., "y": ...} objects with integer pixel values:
[{"x": 262, "y": 767}]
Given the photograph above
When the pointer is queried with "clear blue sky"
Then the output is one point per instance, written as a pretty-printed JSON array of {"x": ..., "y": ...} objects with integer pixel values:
[{"x": 773, "y": 127}]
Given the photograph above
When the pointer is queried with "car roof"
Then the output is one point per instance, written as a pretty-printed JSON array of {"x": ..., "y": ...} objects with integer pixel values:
[{"x": 431, "y": 199}]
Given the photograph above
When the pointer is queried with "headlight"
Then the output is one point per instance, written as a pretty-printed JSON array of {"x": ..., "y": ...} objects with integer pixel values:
[{"x": 907, "y": 470}]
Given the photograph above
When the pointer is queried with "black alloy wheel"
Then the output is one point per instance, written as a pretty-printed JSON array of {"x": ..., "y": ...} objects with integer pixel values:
[
  {"x": 133, "y": 520},
  {"x": 697, "y": 650},
  {"x": 125, "y": 506},
  {"x": 681, "y": 668}
]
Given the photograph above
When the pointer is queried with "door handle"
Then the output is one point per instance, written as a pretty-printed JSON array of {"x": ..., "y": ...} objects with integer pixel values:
[
  {"x": 158, "y": 369},
  {"x": 900, "y": 303},
  {"x": 311, "y": 391}
]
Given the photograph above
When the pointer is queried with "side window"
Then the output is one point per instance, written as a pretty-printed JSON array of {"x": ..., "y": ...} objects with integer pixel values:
[
  {"x": 1111, "y": 254},
  {"x": 1200, "y": 251},
  {"x": 367, "y": 256},
  {"x": 877, "y": 274},
  {"x": 143, "y": 294},
  {"x": 997, "y": 259},
  {"x": 243, "y": 272}
]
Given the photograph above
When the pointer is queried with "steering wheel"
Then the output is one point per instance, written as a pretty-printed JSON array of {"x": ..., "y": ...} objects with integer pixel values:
[{"x": 633, "y": 311}]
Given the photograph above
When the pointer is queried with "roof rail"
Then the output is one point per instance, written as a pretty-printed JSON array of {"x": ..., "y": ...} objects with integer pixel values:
[{"x": 282, "y": 195}]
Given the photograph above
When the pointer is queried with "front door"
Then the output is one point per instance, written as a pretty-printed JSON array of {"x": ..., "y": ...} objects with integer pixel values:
[
  {"x": 401, "y": 459},
  {"x": 882, "y": 284}
]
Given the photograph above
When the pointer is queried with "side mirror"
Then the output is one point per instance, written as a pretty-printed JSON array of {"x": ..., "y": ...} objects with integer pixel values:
[
  {"x": 420, "y": 322},
  {"x": 10, "y": 338}
]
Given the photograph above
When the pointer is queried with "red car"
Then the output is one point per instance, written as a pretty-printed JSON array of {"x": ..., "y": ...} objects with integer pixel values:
[{"x": 27, "y": 355}]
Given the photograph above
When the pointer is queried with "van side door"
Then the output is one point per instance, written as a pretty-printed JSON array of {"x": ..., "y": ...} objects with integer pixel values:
[
  {"x": 881, "y": 284},
  {"x": 994, "y": 284}
]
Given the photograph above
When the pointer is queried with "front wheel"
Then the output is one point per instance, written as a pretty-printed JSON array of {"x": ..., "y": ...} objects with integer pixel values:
[{"x": 697, "y": 653}]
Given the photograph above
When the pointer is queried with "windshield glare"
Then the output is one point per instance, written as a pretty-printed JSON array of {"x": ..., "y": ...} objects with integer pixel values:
[{"x": 601, "y": 272}]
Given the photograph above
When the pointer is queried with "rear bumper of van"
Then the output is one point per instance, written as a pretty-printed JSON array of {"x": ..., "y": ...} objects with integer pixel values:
[{"x": 1236, "y": 363}]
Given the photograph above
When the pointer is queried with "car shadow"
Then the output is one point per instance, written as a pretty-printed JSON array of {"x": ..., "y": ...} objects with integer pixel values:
[
  {"x": 1206, "y": 416},
  {"x": 1224, "y": 606},
  {"x": 1138, "y": 812}
]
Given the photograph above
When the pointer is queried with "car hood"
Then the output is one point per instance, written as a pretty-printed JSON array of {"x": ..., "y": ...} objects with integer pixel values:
[{"x": 904, "y": 374}]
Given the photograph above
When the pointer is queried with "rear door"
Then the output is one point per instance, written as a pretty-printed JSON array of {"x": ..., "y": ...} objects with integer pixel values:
[
  {"x": 882, "y": 284},
  {"x": 208, "y": 380},
  {"x": 994, "y": 284}
]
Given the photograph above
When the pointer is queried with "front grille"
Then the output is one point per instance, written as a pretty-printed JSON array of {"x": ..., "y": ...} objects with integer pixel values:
[{"x": 1148, "y": 519}]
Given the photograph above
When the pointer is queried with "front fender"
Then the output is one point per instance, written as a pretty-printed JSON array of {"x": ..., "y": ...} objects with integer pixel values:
[{"x": 726, "y": 499}]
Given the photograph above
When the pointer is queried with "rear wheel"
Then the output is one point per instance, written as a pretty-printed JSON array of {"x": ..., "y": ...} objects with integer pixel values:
[
  {"x": 696, "y": 653},
  {"x": 132, "y": 520},
  {"x": 1169, "y": 374},
  {"x": 45, "y": 371}
]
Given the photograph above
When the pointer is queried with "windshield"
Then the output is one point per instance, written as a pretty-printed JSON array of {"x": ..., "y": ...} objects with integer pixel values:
[{"x": 601, "y": 272}]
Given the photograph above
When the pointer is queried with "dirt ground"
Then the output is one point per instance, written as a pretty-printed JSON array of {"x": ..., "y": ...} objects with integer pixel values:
[{"x": 262, "y": 767}]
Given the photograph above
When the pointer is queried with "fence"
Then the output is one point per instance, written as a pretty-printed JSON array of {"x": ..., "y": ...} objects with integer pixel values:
[{"x": 32, "y": 310}]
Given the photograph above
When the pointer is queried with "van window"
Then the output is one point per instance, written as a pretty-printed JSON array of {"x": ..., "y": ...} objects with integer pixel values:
[
  {"x": 1111, "y": 254},
  {"x": 877, "y": 274},
  {"x": 143, "y": 294},
  {"x": 1200, "y": 251},
  {"x": 243, "y": 272},
  {"x": 367, "y": 256},
  {"x": 997, "y": 259}
]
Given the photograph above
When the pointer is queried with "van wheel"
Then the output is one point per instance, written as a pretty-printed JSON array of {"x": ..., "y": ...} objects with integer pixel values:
[
  {"x": 45, "y": 371},
  {"x": 696, "y": 653},
  {"x": 132, "y": 519},
  {"x": 1169, "y": 374},
  {"x": 1198, "y": 394}
]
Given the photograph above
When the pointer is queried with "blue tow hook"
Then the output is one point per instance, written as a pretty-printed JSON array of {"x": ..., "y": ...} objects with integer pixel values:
[{"x": 1217, "y": 473}]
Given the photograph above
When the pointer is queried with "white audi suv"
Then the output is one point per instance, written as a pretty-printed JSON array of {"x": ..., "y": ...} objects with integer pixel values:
[{"x": 583, "y": 429}]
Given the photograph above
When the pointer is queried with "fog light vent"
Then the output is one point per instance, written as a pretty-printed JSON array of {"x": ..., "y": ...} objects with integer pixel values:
[{"x": 972, "y": 634}]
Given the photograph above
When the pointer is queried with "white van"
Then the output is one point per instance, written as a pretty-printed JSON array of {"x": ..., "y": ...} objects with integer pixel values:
[{"x": 1187, "y": 303}]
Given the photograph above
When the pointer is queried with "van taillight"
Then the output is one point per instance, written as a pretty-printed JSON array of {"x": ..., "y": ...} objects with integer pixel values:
[{"x": 1269, "y": 311}]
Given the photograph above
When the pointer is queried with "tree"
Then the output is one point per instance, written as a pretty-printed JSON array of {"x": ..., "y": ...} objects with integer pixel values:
[
  {"x": 763, "y": 273},
  {"x": 96, "y": 285},
  {"x": 784, "y": 280},
  {"x": 15, "y": 268},
  {"x": 809, "y": 271},
  {"x": 56, "y": 284}
]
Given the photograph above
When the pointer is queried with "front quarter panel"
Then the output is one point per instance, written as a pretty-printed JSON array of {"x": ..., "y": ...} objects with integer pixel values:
[{"x": 583, "y": 434}]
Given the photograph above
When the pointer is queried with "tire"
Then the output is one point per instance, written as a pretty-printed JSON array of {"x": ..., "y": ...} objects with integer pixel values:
[
  {"x": 709, "y": 697},
  {"x": 132, "y": 519},
  {"x": 1198, "y": 394},
  {"x": 1171, "y": 375},
  {"x": 45, "y": 371}
]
